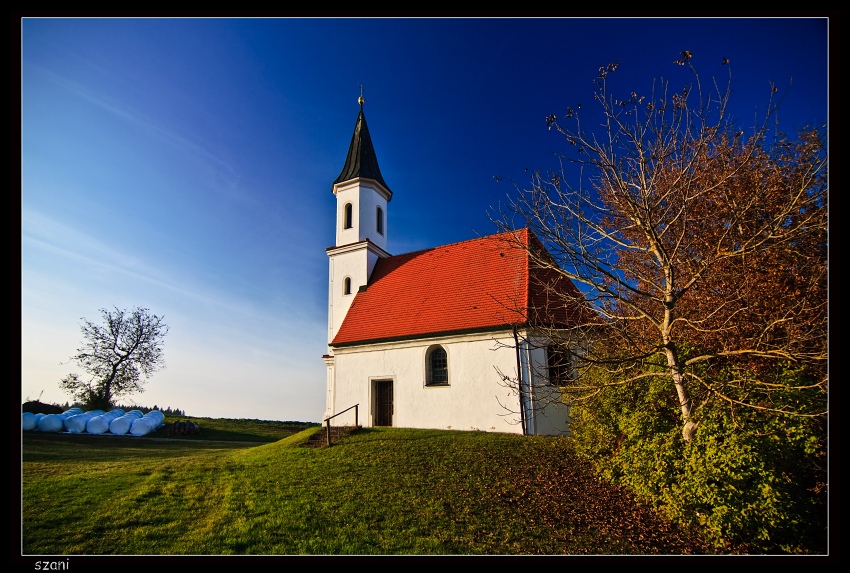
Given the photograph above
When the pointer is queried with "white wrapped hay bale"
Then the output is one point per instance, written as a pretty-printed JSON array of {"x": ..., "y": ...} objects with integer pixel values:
[
  {"x": 147, "y": 423},
  {"x": 76, "y": 424},
  {"x": 55, "y": 422},
  {"x": 51, "y": 423},
  {"x": 28, "y": 421},
  {"x": 121, "y": 425},
  {"x": 142, "y": 426},
  {"x": 100, "y": 424},
  {"x": 158, "y": 416}
]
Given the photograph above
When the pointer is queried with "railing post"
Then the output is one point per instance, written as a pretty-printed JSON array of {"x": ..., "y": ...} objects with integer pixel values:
[{"x": 328, "y": 420}]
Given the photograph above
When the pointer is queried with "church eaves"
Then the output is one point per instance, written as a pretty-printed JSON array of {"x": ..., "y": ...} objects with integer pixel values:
[{"x": 361, "y": 161}]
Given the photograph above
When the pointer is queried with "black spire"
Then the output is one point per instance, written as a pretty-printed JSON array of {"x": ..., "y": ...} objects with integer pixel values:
[{"x": 361, "y": 160}]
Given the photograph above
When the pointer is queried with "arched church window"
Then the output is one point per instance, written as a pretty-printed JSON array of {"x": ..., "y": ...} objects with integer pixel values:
[
  {"x": 380, "y": 225},
  {"x": 437, "y": 367},
  {"x": 347, "y": 216},
  {"x": 346, "y": 285}
]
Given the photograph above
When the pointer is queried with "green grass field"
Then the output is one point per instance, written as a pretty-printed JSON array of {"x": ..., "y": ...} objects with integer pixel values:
[{"x": 245, "y": 487}]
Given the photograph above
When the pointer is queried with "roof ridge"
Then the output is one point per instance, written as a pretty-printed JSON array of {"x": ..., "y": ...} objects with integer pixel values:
[{"x": 494, "y": 235}]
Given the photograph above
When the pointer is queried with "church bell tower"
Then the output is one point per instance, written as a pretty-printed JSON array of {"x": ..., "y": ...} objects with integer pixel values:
[{"x": 362, "y": 197}]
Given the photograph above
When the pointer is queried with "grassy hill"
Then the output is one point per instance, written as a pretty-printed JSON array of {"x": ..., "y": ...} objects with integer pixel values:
[{"x": 249, "y": 488}]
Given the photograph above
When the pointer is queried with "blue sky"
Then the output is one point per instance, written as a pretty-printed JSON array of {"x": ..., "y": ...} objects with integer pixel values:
[{"x": 185, "y": 165}]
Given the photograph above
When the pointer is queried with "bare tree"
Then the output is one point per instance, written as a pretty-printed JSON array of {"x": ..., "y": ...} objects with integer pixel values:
[
  {"x": 701, "y": 247},
  {"x": 116, "y": 354}
]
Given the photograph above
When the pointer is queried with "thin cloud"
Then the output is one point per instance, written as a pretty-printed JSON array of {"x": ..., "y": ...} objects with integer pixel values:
[{"x": 224, "y": 177}]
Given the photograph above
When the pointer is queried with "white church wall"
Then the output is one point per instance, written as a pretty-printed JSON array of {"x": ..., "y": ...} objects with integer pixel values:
[
  {"x": 347, "y": 194},
  {"x": 548, "y": 415},
  {"x": 475, "y": 399},
  {"x": 329, "y": 390},
  {"x": 371, "y": 259},
  {"x": 352, "y": 265},
  {"x": 543, "y": 411},
  {"x": 370, "y": 200},
  {"x": 551, "y": 416}
]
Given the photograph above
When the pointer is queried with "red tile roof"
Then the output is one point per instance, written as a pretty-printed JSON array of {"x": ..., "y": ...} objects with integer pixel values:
[{"x": 480, "y": 284}]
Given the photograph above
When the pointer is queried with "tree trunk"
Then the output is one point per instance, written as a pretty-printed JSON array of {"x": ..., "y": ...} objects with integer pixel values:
[{"x": 690, "y": 427}]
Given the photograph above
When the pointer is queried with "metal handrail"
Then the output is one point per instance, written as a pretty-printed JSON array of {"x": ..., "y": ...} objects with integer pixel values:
[{"x": 328, "y": 420}]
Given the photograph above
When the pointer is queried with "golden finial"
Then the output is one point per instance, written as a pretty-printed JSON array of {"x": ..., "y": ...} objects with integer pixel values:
[{"x": 360, "y": 100}]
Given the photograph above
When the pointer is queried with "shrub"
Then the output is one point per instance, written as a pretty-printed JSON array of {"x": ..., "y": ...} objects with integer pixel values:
[{"x": 749, "y": 480}]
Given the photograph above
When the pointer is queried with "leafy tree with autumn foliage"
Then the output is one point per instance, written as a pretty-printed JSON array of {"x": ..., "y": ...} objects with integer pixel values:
[
  {"x": 701, "y": 381},
  {"x": 701, "y": 246}
]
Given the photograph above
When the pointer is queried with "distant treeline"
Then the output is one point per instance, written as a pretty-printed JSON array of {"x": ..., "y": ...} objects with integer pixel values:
[{"x": 36, "y": 407}]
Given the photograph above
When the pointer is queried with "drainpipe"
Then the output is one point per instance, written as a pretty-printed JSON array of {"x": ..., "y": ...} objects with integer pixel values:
[
  {"x": 528, "y": 380},
  {"x": 519, "y": 381}
]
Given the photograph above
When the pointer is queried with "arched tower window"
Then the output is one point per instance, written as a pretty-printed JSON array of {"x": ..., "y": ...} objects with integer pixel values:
[
  {"x": 347, "y": 216},
  {"x": 437, "y": 367},
  {"x": 380, "y": 222},
  {"x": 346, "y": 285}
]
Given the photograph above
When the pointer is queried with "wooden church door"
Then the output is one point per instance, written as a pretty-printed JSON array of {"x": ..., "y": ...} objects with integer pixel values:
[{"x": 383, "y": 402}]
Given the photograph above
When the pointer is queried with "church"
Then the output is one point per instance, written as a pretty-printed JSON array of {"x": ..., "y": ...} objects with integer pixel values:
[{"x": 441, "y": 338}]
